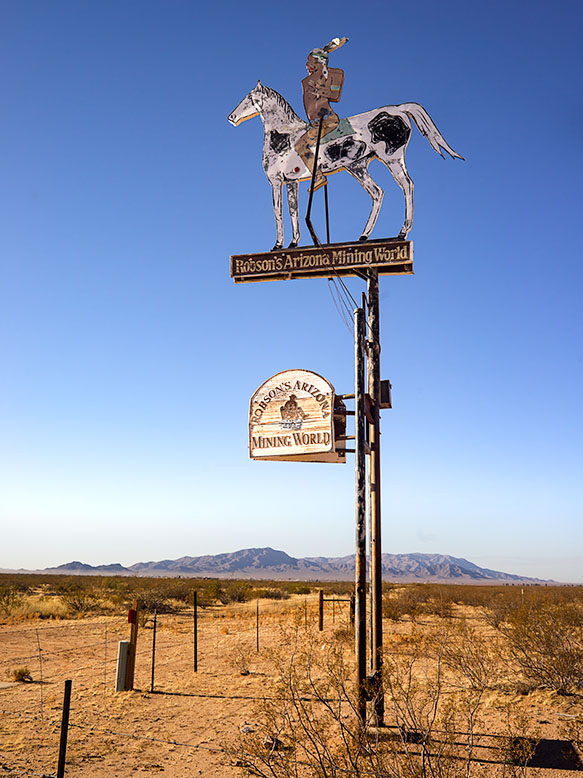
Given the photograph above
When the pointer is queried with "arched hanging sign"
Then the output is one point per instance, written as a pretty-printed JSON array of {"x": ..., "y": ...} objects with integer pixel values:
[{"x": 295, "y": 416}]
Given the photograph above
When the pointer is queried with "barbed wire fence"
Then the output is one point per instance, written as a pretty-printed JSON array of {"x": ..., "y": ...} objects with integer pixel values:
[{"x": 86, "y": 653}]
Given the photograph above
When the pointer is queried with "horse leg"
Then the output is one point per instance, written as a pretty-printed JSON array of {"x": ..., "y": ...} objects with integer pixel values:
[
  {"x": 399, "y": 172},
  {"x": 292, "y": 201},
  {"x": 360, "y": 171},
  {"x": 276, "y": 187}
]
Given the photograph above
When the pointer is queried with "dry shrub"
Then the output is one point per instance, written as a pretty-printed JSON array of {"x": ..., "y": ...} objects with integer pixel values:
[
  {"x": 299, "y": 588},
  {"x": 240, "y": 660},
  {"x": 271, "y": 594},
  {"x": 152, "y": 601},
  {"x": 79, "y": 603},
  {"x": 309, "y": 725},
  {"x": 344, "y": 635},
  {"x": 546, "y": 642},
  {"x": 416, "y": 600},
  {"x": 10, "y": 600},
  {"x": 470, "y": 656},
  {"x": 28, "y": 607},
  {"x": 518, "y": 744},
  {"x": 21, "y": 674}
]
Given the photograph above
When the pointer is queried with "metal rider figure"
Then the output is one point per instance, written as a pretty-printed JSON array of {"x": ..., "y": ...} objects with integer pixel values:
[{"x": 321, "y": 86}]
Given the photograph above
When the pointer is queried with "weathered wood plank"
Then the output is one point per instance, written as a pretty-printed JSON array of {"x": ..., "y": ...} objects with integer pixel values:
[{"x": 390, "y": 257}]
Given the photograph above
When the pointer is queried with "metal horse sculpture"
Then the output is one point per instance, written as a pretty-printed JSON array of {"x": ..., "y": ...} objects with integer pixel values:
[{"x": 379, "y": 134}]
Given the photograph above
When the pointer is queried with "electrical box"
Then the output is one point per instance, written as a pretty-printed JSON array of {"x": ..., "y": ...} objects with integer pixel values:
[{"x": 386, "y": 401}]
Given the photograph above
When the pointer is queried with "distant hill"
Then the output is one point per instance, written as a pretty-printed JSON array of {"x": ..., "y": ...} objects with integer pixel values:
[{"x": 267, "y": 563}]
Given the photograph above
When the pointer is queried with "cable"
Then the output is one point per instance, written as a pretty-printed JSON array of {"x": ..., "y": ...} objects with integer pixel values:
[{"x": 341, "y": 313}]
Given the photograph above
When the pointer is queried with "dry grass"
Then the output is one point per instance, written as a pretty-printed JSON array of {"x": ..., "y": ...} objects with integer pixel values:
[{"x": 459, "y": 686}]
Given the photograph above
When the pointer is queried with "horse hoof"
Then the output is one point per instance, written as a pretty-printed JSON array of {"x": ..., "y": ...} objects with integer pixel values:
[
  {"x": 363, "y": 237},
  {"x": 293, "y": 245},
  {"x": 277, "y": 247}
]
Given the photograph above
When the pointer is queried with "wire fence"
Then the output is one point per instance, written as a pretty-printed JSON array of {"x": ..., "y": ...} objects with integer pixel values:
[{"x": 161, "y": 722}]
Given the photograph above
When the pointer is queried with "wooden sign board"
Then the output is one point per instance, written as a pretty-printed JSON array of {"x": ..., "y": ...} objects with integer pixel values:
[
  {"x": 291, "y": 418},
  {"x": 390, "y": 257}
]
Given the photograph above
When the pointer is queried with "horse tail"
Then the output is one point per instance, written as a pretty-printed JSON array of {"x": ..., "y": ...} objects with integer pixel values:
[{"x": 427, "y": 128}]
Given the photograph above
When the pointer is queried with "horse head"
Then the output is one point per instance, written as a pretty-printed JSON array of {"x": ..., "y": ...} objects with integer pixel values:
[{"x": 249, "y": 107}]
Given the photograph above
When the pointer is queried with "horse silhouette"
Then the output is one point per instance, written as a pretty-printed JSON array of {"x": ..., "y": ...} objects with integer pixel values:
[{"x": 379, "y": 134}]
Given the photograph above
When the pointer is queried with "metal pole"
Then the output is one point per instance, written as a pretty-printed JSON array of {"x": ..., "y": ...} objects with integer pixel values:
[
  {"x": 376, "y": 573},
  {"x": 309, "y": 211},
  {"x": 321, "y": 610},
  {"x": 360, "y": 559},
  {"x": 327, "y": 214},
  {"x": 64, "y": 729},
  {"x": 154, "y": 650},
  {"x": 195, "y": 630},
  {"x": 257, "y": 622}
]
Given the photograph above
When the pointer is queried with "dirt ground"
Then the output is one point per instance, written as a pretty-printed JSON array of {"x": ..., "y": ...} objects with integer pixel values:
[{"x": 188, "y": 725}]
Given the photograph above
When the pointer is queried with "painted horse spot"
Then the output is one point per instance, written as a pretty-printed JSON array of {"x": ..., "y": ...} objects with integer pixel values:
[
  {"x": 279, "y": 142},
  {"x": 390, "y": 129},
  {"x": 345, "y": 149}
]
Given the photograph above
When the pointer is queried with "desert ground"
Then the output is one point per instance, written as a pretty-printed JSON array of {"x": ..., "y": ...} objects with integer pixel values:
[{"x": 479, "y": 681}]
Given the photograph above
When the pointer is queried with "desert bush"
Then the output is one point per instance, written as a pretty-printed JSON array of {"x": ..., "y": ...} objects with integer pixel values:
[
  {"x": 21, "y": 674},
  {"x": 546, "y": 642},
  {"x": 299, "y": 588},
  {"x": 150, "y": 601},
  {"x": 414, "y": 601},
  {"x": 392, "y": 608},
  {"x": 240, "y": 660},
  {"x": 78, "y": 602},
  {"x": 471, "y": 657},
  {"x": 344, "y": 635},
  {"x": 10, "y": 600},
  {"x": 271, "y": 594},
  {"x": 236, "y": 591},
  {"x": 518, "y": 744},
  {"x": 501, "y": 606},
  {"x": 310, "y": 724}
]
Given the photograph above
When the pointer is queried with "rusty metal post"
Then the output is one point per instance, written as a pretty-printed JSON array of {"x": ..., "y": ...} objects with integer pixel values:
[
  {"x": 133, "y": 620},
  {"x": 195, "y": 628},
  {"x": 321, "y": 610},
  {"x": 154, "y": 650},
  {"x": 360, "y": 467},
  {"x": 376, "y": 572}
]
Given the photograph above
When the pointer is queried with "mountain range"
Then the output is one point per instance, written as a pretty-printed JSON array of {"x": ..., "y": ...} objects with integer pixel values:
[{"x": 268, "y": 563}]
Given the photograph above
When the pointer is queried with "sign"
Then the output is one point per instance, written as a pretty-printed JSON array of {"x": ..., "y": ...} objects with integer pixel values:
[
  {"x": 347, "y": 144},
  {"x": 292, "y": 418},
  {"x": 390, "y": 257}
]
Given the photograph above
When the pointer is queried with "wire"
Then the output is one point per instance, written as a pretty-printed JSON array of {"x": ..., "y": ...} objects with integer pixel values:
[{"x": 332, "y": 288}]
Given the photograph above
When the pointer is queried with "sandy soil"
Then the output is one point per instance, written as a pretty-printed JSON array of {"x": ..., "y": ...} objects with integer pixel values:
[{"x": 187, "y": 726}]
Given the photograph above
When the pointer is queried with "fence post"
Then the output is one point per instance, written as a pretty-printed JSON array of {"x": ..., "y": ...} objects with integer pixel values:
[
  {"x": 64, "y": 730},
  {"x": 123, "y": 653},
  {"x": 154, "y": 650},
  {"x": 133, "y": 620},
  {"x": 257, "y": 625},
  {"x": 321, "y": 610},
  {"x": 195, "y": 629},
  {"x": 352, "y": 609}
]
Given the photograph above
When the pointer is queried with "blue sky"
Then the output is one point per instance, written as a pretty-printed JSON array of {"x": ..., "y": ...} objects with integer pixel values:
[{"x": 129, "y": 356}]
